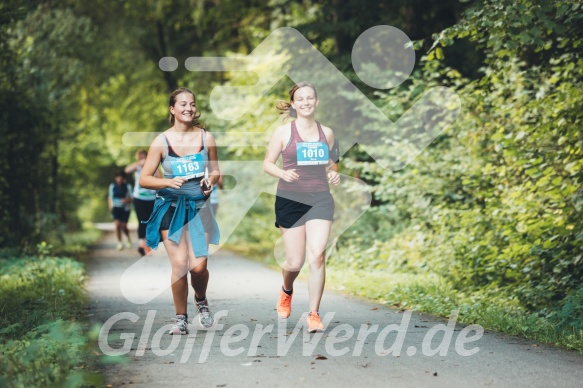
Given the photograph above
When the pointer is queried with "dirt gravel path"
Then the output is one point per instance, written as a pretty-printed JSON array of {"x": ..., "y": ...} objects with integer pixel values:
[{"x": 365, "y": 344}]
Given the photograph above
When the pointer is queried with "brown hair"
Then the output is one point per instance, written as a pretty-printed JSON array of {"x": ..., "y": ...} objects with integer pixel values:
[
  {"x": 285, "y": 108},
  {"x": 172, "y": 102},
  {"x": 141, "y": 151}
]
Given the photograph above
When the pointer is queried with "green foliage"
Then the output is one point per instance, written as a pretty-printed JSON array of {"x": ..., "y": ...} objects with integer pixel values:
[
  {"x": 434, "y": 295},
  {"x": 532, "y": 30},
  {"x": 571, "y": 313},
  {"x": 48, "y": 355},
  {"x": 43, "y": 52},
  {"x": 41, "y": 344},
  {"x": 494, "y": 203},
  {"x": 492, "y": 207},
  {"x": 43, "y": 249},
  {"x": 76, "y": 244},
  {"x": 34, "y": 290},
  {"x": 255, "y": 235},
  {"x": 490, "y": 210}
]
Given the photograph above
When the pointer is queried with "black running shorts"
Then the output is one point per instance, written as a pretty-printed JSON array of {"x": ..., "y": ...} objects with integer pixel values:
[
  {"x": 120, "y": 214},
  {"x": 293, "y": 209},
  {"x": 204, "y": 213}
]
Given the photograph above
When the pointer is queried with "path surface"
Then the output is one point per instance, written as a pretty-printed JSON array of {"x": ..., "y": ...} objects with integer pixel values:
[{"x": 249, "y": 347}]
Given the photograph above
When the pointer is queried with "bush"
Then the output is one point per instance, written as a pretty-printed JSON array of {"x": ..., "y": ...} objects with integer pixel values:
[
  {"x": 34, "y": 291},
  {"x": 48, "y": 355},
  {"x": 42, "y": 343},
  {"x": 571, "y": 313}
]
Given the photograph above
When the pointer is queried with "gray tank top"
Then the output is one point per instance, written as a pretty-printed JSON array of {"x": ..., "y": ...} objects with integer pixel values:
[{"x": 191, "y": 166}]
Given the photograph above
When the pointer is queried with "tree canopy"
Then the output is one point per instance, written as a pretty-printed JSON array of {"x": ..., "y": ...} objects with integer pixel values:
[{"x": 494, "y": 203}]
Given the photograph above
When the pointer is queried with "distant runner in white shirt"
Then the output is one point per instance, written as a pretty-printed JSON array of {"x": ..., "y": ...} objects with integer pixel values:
[{"x": 143, "y": 199}]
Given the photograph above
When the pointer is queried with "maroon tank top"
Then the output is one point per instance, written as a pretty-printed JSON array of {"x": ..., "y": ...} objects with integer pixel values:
[{"x": 312, "y": 178}]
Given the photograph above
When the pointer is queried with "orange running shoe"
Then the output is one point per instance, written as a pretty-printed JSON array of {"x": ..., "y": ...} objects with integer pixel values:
[
  {"x": 284, "y": 304},
  {"x": 314, "y": 322}
]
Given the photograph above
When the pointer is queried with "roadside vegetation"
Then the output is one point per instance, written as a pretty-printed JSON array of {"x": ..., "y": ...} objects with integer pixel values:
[
  {"x": 44, "y": 340},
  {"x": 486, "y": 220}
]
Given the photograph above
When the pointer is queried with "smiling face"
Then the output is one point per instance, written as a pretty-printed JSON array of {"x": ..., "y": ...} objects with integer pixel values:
[
  {"x": 305, "y": 101},
  {"x": 184, "y": 109}
]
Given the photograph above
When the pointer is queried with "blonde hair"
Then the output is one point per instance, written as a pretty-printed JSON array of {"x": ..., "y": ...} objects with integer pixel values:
[{"x": 285, "y": 108}]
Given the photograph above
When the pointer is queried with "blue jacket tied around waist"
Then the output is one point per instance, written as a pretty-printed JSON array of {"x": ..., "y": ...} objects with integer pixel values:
[{"x": 185, "y": 206}]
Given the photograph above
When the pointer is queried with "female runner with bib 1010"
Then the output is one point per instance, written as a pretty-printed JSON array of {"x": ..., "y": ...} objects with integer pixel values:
[
  {"x": 182, "y": 218},
  {"x": 304, "y": 207}
]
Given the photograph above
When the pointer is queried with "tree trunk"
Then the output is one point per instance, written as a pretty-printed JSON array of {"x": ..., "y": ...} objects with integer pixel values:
[{"x": 168, "y": 75}]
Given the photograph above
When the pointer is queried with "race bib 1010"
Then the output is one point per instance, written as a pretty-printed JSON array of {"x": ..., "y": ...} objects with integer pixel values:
[{"x": 312, "y": 153}]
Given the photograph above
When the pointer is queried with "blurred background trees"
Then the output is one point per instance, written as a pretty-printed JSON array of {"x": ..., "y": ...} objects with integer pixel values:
[{"x": 493, "y": 205}]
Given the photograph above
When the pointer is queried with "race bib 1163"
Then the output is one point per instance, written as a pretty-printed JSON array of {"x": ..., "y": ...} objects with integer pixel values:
[
  {"x": 312, "y": 153},
  {"x": 191, "y": 166}
]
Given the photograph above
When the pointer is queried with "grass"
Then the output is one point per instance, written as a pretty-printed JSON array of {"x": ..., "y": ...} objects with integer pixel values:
[
  {"x": 430, "y": 294},
  {"x": 43, "y": 341},
  {"x": 76, "y": 244}
]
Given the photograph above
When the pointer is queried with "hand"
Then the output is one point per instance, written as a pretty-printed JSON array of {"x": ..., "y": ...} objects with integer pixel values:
[
  {"x": 176, "y": 182},
  {"x": 207, "y": 186},
  {"x": 290, "y": 175},
  {"x": 333, "y": 178}
]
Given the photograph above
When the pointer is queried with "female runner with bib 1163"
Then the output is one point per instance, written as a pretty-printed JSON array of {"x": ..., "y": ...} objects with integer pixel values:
[
  {"x": 182, "y": 218},
  {"x": 304, "y": 207}
]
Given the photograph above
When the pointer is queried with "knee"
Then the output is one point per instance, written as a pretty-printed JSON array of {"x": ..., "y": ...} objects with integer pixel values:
[
  {"x": 199, "y": 270},
  {"x": 179, "y": 270},
  {"x": 293, "y": 264},
  {"x": 292, "y": 268},
  {"x": 317, "y": 259}
]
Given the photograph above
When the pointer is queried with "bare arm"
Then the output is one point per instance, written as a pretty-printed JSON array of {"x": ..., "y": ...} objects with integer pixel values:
[
  {"x": 274, "y": 149},
  {"x": 128, "y": 198},
  {"x": 130, "y": 168},
  {"x": 134, "y": 166},
  {"x": 213, "y": 164},
  {"x": 332, "y": 166},
  {"x": 150, "y": 177},
  {"x": 109, "y": 199}
]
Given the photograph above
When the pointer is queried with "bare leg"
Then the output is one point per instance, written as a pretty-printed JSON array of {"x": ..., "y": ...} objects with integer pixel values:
[
  {"x": 294, "y": 242},
  {"x": 317, "y": 233},
  {"x": 178, "y": 255},
  {"x": 125, "y": 230},
  {"x": 117, "y": 224},
  {"x": 199, "y": 274}
]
